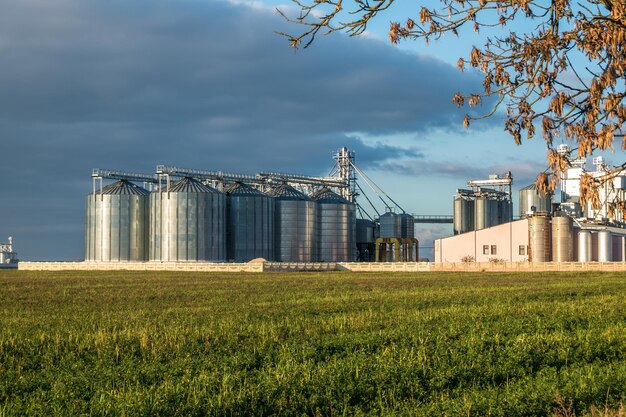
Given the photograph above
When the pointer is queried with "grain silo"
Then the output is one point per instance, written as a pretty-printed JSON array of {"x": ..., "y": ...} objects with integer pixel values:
[
  {"x": 463, "y": 214},
  {"x": 249, "y": 223},
  {"x": 187, "y": 223},
  {"x": 295, "y": 225},
  {"x": 407, "y": 225},
  {"x": 117, "y": 223},
  {"x": 336, "y": 225},
  {"x": 365, "y": 238},
  {"x": 531, "y": 201},
  {"x": 539, "y": 238},
  {"x": 562, "y": 239},
  {"x": 482, "y": 213},
  {"x": 390, "y": 225}
]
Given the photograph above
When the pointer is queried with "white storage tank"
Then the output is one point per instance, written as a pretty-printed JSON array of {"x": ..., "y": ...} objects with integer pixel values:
[
  {"x": 585, "y": 246},
  {"x": 605, "y": 246}
]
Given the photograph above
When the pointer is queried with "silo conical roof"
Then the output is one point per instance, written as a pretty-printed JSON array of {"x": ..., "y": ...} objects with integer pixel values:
[
  {"x": 191, "y": 185},
  {"x": 123, "y": 187},
  {"x": 286, "y": 192},
  {"x": 326, "y": 195},
  {"x": 237, "y": 189},
  {"x": 529, "y": 187}
]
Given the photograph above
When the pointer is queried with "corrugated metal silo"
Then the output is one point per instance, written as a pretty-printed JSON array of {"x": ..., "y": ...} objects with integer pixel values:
[
  {"x": 249, "y": 223},
  {"x": 295, "y": 223},
  {"x": 407, "y": 225},
  {"x": 336, "y": 225},
  {"x": 481, "y": 213},
  {"x": 605, "y": 246},
  {"x": 494, "y": 212},
  {"x": 505, "y": 211},
  {"x": 539, "y": 238},
  {"x": 562, "y": 239},
  {"x": 187, "y": 223},
  {"x": 390, "y": 225},
  {"x": 584, "y": 246},
  {"x": 529, "y": 197},
  {"x": 365, "y": 231},
  {"x": 117, "y": 223},
  {"x": 463, "y": 215}
]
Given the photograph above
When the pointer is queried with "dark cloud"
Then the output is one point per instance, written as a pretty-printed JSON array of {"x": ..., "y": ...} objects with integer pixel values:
[{"x": 128, "y": 85}]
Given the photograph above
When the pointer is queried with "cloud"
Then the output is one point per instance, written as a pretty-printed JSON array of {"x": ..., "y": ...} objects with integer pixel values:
[
  {"x": 524, "y": 171},
  {"x": 128, "y": 85}
]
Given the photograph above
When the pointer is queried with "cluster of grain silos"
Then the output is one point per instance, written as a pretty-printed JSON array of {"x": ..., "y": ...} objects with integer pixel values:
[
  {"x": 396, "y": 225},
  {"x": 188, "y": 220},
  {"x": 480, "y": 210},
  {"x": 559, "y": 239}
]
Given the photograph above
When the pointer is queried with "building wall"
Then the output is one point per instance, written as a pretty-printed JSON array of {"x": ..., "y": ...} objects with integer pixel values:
[{"x": 501, "y": 242}]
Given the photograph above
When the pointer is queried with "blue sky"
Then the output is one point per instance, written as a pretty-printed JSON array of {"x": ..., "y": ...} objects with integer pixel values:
[{"x": 209, "y": 85}]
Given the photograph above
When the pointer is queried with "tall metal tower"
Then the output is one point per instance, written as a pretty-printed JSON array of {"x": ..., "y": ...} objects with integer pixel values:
[{"x": 346, "y": 172}]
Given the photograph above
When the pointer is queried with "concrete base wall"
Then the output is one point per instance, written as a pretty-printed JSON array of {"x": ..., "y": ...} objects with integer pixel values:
[
  {"x": 141, "y": 266},
  {"x": 321, "y": 266}
]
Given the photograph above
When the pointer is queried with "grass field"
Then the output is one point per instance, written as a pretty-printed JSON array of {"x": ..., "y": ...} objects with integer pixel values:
[{"x": 193, "y": 344}]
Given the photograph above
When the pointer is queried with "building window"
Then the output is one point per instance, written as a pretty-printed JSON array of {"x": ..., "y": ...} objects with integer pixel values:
[
  {"x": 485, "y": 249},
  {"x": 522, "y": 250},
  {"x": 493, "y": 250}
]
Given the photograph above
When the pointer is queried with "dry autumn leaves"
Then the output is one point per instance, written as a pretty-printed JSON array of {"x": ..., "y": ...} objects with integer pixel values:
[{"x": 564, "y": 75}]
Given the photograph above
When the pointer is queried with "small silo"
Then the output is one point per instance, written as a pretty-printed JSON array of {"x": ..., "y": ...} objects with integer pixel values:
[
  {"x": 365, "y": 231},
  {"x": 336, "y": 225},
  {"x": 390, "y": 225},
  {"x": 365, "y": 238},
  {"x": 529, "y": 197},
  {"x": 407, "y": 225},
  {"x": 249, "y": 223},
  {"x": 482, "y": 213},
  {"x": 295, "y": 222},
  {"x": 117, "y": 223},
  {"x": 539, "y": 238},
  {"x": 585, "y": 246},
  {"x": 505, "y": 211},
  {"x": 187, "y": 223},
  {"x": 562, "y": 239},
  {"x": 494, "y": 212},
  {"x": 463, "y": 215},
  {"x": 605, "y": 246}
]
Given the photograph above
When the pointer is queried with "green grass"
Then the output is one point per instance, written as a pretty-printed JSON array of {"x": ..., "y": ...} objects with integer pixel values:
[{"x": 195, "y": 344}]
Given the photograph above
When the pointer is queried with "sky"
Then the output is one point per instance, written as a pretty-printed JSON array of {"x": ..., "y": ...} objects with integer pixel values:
[{"x": 210, "y": 85}]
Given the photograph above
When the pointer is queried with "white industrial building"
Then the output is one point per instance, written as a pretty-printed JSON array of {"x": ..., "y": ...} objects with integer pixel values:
[{"x": 8, "y": 258}]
